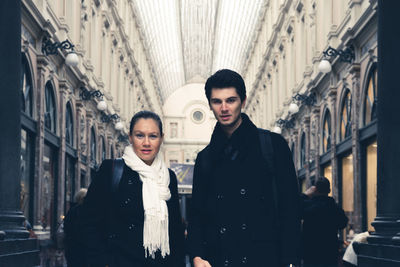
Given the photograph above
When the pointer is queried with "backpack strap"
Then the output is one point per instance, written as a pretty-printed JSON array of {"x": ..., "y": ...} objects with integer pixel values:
[
  {"x": 117, "y": 169},
  {"x": 267, "y": 151}
]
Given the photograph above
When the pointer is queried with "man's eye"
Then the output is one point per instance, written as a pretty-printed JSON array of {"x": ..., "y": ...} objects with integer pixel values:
[{"x": 231, "y": 100}]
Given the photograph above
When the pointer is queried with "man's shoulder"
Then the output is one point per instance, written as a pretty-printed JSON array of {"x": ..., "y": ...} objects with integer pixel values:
[{"x": 204, "y": 151}]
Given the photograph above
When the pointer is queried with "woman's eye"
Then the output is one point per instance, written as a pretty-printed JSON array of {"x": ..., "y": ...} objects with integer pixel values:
[
  {"x": 139, "y": 136},
  {"x": 153, "y": 136}
]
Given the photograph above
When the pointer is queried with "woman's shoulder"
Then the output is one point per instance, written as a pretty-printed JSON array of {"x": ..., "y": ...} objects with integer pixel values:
[{"x": 172, "y": 174}]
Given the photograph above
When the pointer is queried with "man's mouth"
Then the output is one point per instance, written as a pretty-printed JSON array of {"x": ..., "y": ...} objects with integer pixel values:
[{"x": 225, "y": 117}]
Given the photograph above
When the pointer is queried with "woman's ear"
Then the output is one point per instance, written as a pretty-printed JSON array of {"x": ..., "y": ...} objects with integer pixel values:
[{"x": 131, "y": 139}]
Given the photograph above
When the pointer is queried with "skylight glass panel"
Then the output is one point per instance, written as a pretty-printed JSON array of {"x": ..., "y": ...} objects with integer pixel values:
[{"x": 160, "y": 22}]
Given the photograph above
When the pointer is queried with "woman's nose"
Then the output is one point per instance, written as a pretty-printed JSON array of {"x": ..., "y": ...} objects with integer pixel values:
[{"x": 146, "y": 141}]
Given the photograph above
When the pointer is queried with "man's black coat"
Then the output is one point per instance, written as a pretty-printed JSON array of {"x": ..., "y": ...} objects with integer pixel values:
[
  {"x": 113, "y": 222},
  {"x": 234, "y": 221},
  {"x": 322, "y": 218},
  {"x": 74, "y": 249}
]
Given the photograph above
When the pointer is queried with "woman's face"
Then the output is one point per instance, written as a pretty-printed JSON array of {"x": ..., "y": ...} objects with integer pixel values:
[{"x": 146, "y": 139}]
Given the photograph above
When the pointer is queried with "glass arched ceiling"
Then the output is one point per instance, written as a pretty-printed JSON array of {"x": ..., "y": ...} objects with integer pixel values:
[{"x": 188, "y": 40}]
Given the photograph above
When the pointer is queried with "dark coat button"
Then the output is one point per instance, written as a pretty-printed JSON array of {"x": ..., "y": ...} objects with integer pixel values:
[
  {"x": 226, "y": 263},
  {"x": 244, "y": 226},
  {"x": 222, "y": 230},
  {"x": 244, "y": 260},
  {"x": 220, "y": 197},
  {"x": 130, "y": 181},
  {"x": 242, "y": 191},
  {"x": 131, "y": 226}
]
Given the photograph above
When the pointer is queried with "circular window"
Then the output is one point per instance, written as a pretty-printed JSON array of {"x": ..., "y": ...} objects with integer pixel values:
[{"x": 198, "y": 116}]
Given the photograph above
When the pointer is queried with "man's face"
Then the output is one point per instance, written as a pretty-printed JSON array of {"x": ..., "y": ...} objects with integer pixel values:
[{"x": 227, "y": 106}]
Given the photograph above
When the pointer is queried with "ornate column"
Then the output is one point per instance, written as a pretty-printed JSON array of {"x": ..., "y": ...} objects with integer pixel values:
[
  {"x": 11, "y": 217},
  {"x": 15, "y": 247},
  {"x": 383, "y": 248}
]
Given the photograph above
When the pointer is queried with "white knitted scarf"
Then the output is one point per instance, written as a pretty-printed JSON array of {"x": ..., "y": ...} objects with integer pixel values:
[{"x": 156, "y": 192}]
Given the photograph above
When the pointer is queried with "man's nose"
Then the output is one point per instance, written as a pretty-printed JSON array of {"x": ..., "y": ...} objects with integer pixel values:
[{"x": 224, "y": 106}]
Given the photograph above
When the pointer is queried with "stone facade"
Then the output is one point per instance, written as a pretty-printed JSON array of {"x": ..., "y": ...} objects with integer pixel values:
[
  {"x": 284, "y": 62},
  {"x": 65, "y": 138}
]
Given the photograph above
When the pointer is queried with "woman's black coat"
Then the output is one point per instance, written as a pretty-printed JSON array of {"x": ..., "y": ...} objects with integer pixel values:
[
  {"x": 234, "y": 221},
  {"x": 113, "y": 222}
]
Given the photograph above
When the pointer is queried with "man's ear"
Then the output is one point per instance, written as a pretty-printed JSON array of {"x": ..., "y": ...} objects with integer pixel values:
[{"x": 244, "y": 101}]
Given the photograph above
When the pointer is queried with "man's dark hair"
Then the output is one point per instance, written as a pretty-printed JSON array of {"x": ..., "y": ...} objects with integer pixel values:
[
  {"x": 323, "y": 185},
  {"x": 226, "y": 78},
  {"x": 145, "y": 114}
]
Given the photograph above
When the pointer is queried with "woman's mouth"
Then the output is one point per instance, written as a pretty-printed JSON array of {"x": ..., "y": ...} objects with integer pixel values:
[{"x": 146, "y": 151}]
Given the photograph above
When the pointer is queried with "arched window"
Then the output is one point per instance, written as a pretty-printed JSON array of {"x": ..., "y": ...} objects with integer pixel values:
[
  {"x": 326, "y": 132},
  {"x": 92, "y": 146},
  {"x": 50, "y": 108},
  {"x": 103, "y": 149},
  {"x": 69, "y": 126},
  {"x": 26, "y": 87},
  {"x": 371, "y": 97},
  {"x": 345, "y": 116},
  {"x": 303, "y": 150}
]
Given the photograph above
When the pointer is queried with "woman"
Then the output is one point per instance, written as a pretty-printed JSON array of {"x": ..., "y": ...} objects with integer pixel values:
[{"x": 138, "y": 225}]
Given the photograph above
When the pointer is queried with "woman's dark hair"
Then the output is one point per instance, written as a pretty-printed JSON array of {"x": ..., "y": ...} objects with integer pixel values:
[
  {"x": 145, "y": 114},
  {"x": 223, "y": 79}
]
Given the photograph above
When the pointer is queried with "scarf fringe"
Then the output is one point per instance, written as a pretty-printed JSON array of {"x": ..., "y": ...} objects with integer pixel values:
[{"x": 155, "y": 236}]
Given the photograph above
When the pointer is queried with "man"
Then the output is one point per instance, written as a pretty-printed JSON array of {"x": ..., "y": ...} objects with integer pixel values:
[
  {"x": 74, "y": 247},
  {"x": 243, "y": 212},
  {"x": 322, "y": 218}
]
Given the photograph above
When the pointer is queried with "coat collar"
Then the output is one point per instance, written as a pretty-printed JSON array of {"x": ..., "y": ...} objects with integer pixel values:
[{"x": 237, "y": 144}]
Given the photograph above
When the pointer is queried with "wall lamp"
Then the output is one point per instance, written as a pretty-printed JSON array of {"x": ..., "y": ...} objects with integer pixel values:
[
  {"x": 50, "y": 48},
  {"x": 85, "y": 94},
  {"x": 301, "y": 99},
  {"x": 346, "y": 55},
  {"x": 283, "y": 124},
  {"x": 114, "y": 117}
]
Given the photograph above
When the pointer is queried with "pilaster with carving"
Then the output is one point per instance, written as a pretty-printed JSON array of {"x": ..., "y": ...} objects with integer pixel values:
[
  {"x": 306, "y": 129},
  {"x": 42, "y": 63},
  {"x": 79, "y": 113},
  {"x": 63, "y": 89},
  {"x": 332, "y": 95},
  {"x": 356, "y": 147},
  {"x": 316, "y": 130}
]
